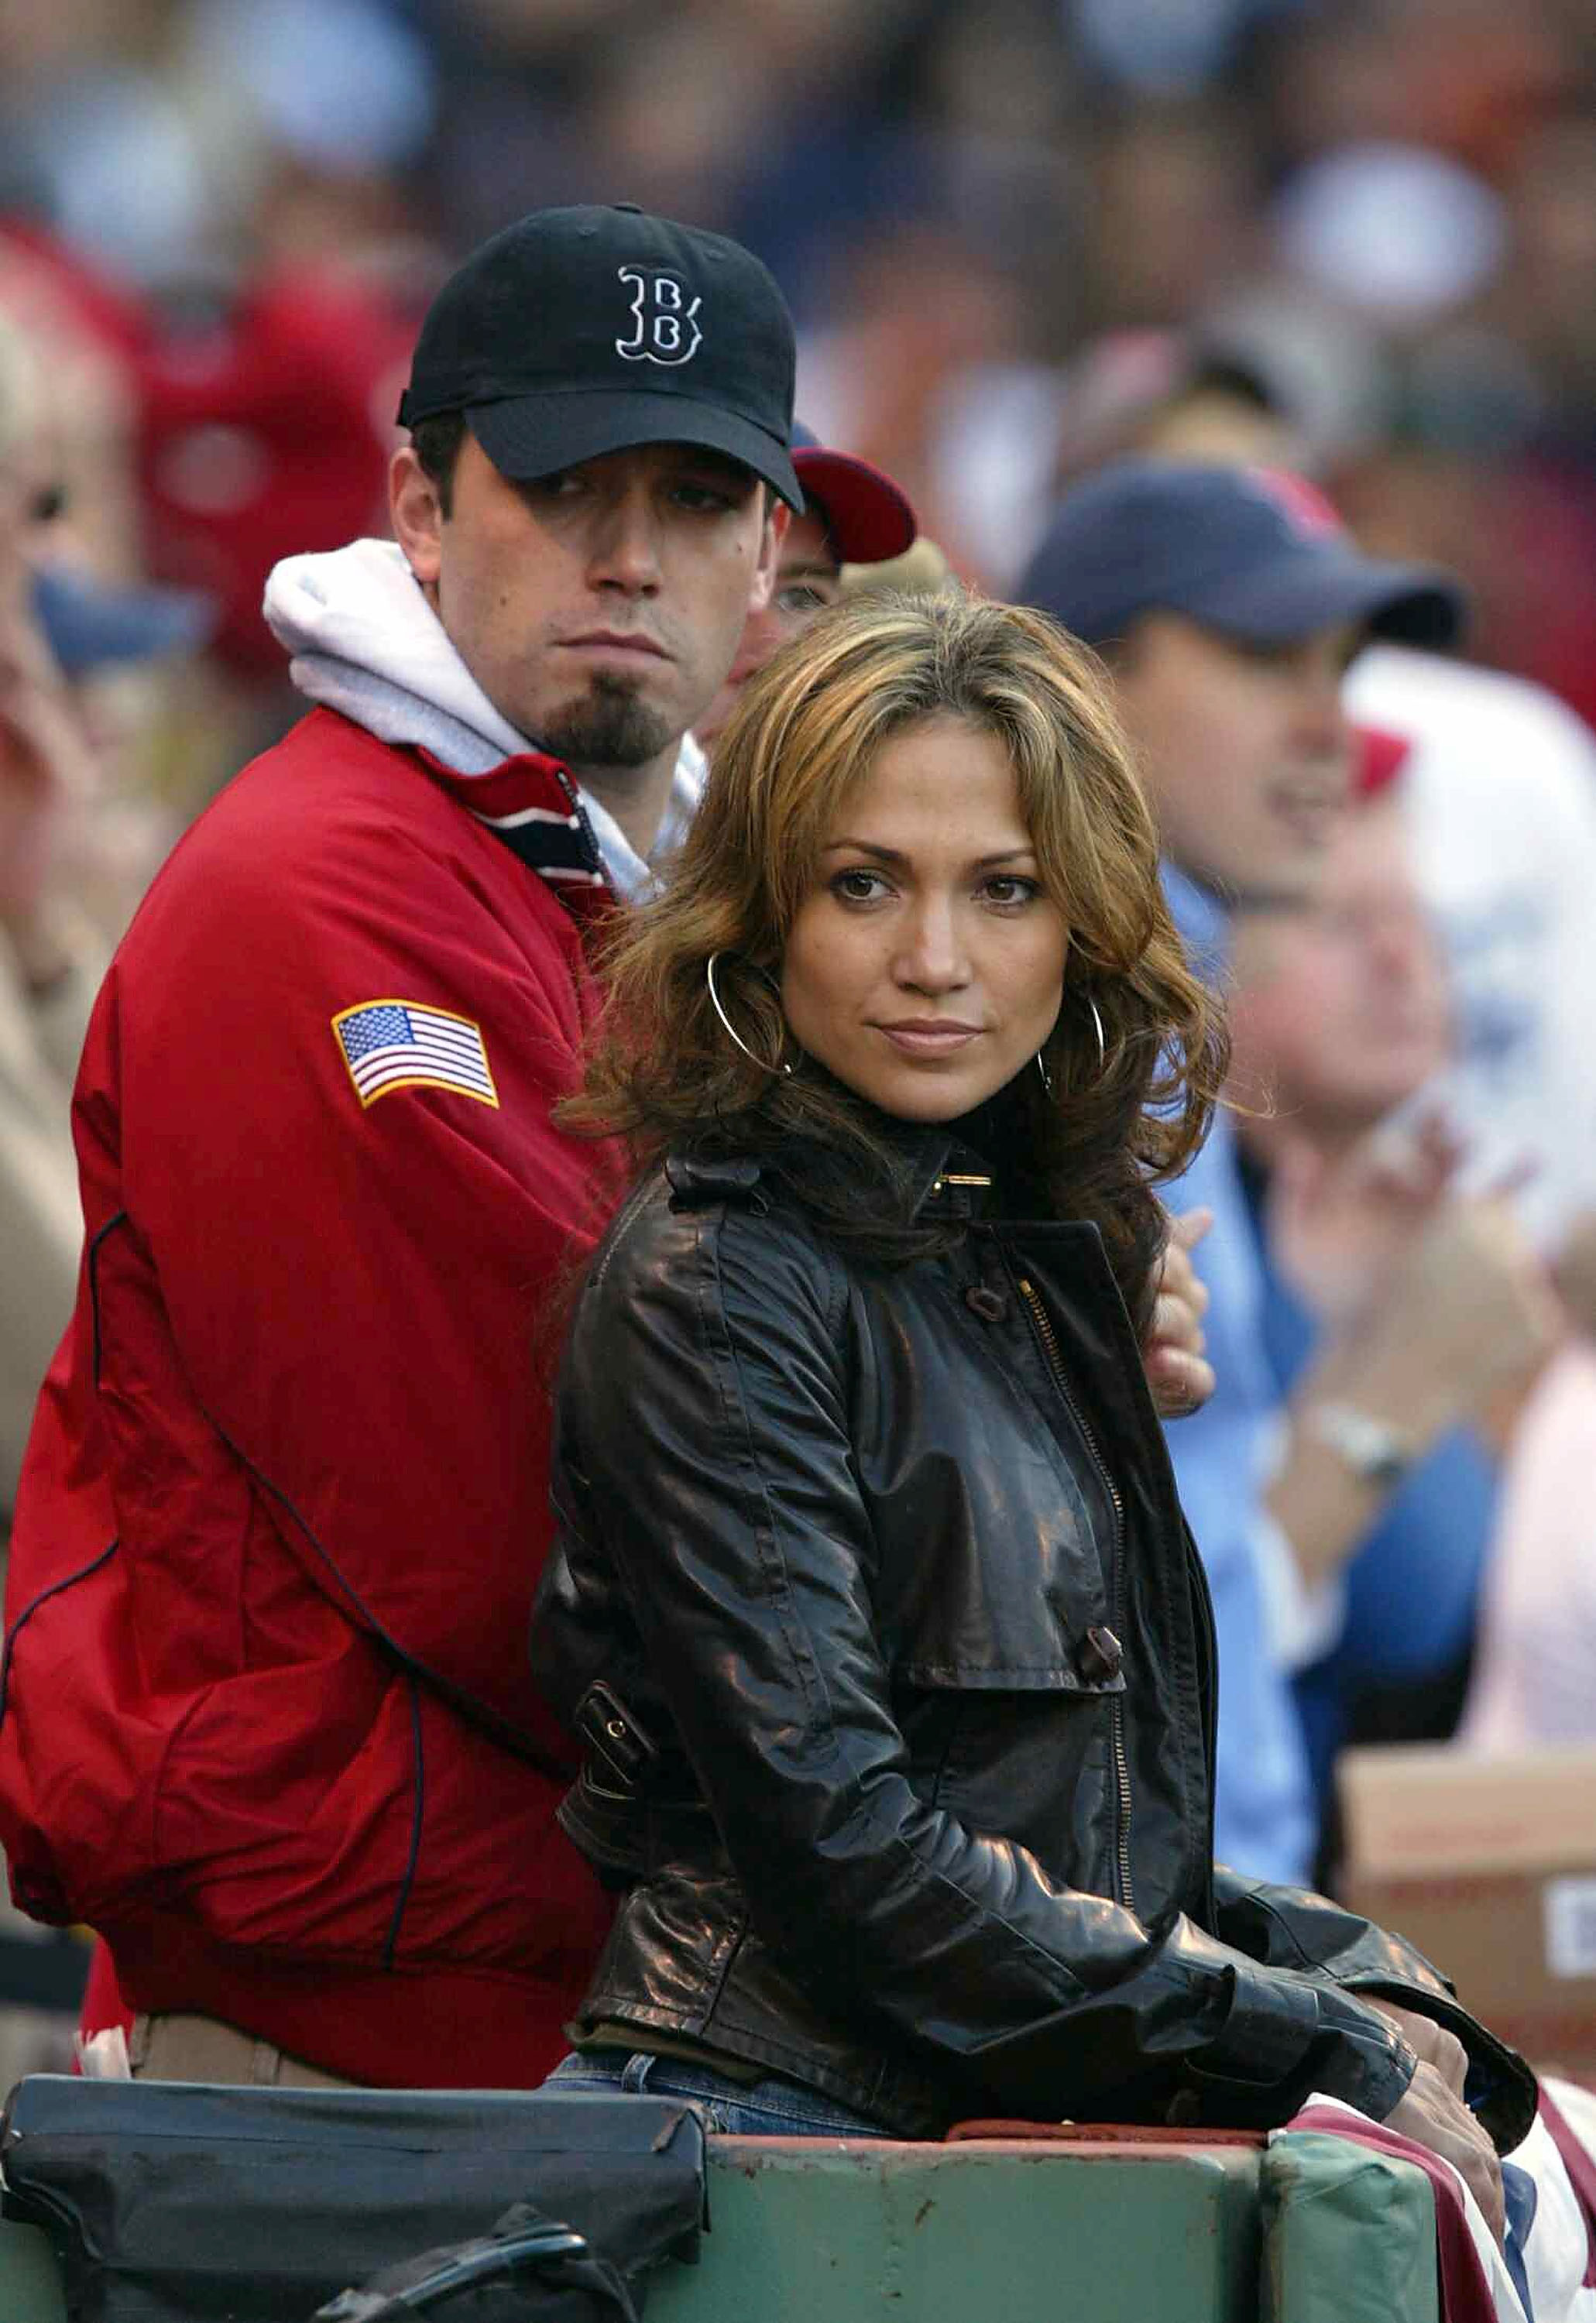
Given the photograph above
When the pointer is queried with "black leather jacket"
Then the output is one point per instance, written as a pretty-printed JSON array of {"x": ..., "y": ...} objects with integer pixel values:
[{"x": 894, "y": 1667}]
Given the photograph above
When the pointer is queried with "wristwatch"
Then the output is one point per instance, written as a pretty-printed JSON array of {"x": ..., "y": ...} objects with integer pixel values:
[{"x": 1378, "y": 1454}]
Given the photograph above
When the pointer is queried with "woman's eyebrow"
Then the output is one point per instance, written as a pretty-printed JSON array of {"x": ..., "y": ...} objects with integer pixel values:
[{"x": 891, "y": 854}]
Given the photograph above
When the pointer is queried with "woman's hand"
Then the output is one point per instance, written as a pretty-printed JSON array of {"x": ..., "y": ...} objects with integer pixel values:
[
  {"x": 1432, "y": 2112},
  {"x": 1177, "y": 1373},
  {"x": 1435, "y": 2117},
  {"x": 1430, "y": 2043}
]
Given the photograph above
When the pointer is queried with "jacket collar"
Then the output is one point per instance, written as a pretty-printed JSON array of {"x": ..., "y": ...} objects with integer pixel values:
[
  {"x": 950, "y": 1179},
  {"x": 531, "y": 802},
  {"x": 365, "y": 642},
  {"x": 947, "y": 1178}
]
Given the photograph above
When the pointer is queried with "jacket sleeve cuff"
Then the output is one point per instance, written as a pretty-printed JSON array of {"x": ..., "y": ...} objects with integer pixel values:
[
  {"x": 1502, "y": 2090},
  {"x": 1283, "y": 2040}
]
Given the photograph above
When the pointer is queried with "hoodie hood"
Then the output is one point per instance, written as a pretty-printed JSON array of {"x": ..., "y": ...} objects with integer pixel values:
[{"x": 362, "y": 639}]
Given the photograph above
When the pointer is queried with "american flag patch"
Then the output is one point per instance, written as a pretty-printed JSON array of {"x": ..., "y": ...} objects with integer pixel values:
[{"x": 389, "y": 1044}]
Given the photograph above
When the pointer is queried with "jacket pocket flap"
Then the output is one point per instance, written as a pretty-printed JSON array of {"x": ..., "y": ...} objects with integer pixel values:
[{"x": 978, "y": 1674}]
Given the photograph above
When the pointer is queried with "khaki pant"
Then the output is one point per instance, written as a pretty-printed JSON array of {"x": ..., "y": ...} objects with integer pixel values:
[{"x": 176, "y": 2048}]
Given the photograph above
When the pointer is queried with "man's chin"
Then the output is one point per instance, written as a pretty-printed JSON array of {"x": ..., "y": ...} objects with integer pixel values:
[
  {"x": 1278, "y": 878},
  {"x": 611, "y": 724}
]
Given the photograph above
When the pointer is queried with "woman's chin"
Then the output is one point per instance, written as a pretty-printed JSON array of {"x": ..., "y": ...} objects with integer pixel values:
[{"x": 925, "y": 1099}]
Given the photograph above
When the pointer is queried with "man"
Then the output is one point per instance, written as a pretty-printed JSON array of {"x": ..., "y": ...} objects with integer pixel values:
[
  {"x": 1340, "y": 1014},
  {"x": 267, "y": 1723},
  {"x": 1499, "y": 790},
  {"x": 1230, "y": 603},
  {"x": 852, "y": 515}
]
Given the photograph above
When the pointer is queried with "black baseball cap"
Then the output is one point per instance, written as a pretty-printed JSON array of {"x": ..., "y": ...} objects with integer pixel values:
[
  {"x": 867, "y": 519},
  {"x": 1253, "y": 553},
  {"x": 581, "y": 331}
]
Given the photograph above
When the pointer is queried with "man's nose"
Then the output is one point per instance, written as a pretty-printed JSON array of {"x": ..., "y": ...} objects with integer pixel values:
[
  {"x": 1322, "y": 719},
  {"x": 626, "y": 544}
]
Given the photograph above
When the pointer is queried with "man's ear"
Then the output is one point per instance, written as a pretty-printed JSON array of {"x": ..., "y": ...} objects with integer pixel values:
[
  {"x": 778, "y": 515},
  {"x": 417, "y": 515}
]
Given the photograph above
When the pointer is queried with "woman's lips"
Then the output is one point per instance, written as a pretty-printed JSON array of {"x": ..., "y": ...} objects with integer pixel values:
[{"x": 930, "y": 1040}]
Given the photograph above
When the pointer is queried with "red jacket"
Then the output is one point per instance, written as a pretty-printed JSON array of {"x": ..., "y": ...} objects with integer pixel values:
[{"x": 266, "y": 1720}]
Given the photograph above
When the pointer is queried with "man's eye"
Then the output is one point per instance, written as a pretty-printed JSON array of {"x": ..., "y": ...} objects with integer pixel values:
[
  {"x": 803, "y": 599},
  {"x": 1261, "y": 653},
  {"x": 704, "y": 500},
  {"x": 565, "y": 485}
]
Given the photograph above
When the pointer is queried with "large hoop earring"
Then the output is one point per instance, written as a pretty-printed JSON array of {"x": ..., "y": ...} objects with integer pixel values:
[
  {"x": 732, "y": 1034},
  {"x": 1102, "y": 1043}
]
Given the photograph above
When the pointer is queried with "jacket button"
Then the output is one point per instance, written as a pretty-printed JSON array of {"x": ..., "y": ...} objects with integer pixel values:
[
  {"x": 1100, "y": 1654},
  {"x": 991, "y": 1306}
]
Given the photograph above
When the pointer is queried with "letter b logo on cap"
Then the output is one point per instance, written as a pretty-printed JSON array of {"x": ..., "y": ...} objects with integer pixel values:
[{"x": 665, "y": 324}]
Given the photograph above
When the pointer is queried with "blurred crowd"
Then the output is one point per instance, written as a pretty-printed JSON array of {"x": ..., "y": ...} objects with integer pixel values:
[
  {"x": 1351, "y": 238},
  {"x": 1005, "y": 233}
]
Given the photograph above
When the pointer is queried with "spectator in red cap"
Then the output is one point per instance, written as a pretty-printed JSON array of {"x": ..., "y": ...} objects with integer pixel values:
[{"x": 852, "y": 515}]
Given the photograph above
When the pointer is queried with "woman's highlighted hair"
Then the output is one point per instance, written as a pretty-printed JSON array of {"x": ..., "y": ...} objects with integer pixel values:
[{"x": 1102, "y": 1125}]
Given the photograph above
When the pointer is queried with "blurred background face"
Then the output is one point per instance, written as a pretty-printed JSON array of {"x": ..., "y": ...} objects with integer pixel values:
[
  {"x": 925, "y": 966},
  {"x": 1340, "y": 1005},
  {"x": 1247, "y": 749},
  {"x": 808, "y": 579}
]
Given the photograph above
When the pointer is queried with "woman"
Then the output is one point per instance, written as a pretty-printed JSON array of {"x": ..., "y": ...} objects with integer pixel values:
[{"x": 873, "y": 1604}]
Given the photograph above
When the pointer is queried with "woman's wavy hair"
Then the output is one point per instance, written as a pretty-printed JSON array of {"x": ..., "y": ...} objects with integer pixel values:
[{"x": 1111, "y": 1126}]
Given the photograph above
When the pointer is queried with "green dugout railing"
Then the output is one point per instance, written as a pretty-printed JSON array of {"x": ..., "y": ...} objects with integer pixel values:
[{"x": 1311, "y": 2229}]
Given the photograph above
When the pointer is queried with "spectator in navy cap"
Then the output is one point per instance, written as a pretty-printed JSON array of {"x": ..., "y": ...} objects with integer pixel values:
[{"x": 1229, "y": 603}]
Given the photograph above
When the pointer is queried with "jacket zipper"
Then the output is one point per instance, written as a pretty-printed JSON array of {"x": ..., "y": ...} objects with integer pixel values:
[
  {"x": 1047, "y": 1338},
  {"x": 1203, "y": 1606}
]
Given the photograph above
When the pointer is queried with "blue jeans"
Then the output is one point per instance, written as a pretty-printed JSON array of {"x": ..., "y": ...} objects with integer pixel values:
[{"x": 775, "y": 2107}]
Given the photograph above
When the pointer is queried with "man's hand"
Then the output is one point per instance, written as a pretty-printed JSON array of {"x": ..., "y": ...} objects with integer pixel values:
[
  {"x": 1338, "y": 1228},
  {"x": 1470, "y": 1306},
  {"x": 1177, "y": 1373},
  {"x": 1454, "y": 1330}
]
